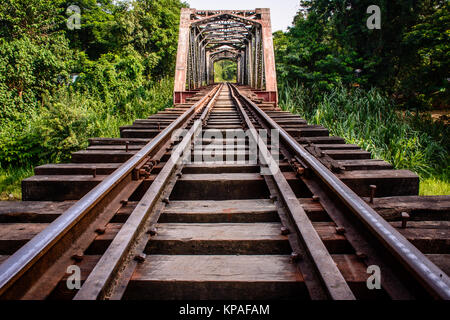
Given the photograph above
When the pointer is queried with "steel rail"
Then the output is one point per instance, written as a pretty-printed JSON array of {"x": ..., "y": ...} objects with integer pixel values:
[
  {"x": 334, "y": 282},
  {"x": 95, "y": 286},
  {"x": 28, "y": 255},
  {"x": 426, "y": 272}
]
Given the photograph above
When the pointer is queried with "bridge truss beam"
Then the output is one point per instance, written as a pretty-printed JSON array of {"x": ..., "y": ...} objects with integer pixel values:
[{"x": 208, "y": 36}]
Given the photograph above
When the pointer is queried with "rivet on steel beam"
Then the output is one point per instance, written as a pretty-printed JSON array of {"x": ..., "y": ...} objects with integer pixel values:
[
  {"x": 78, "y": 257},
  {"x": 152, "y": 231},
  {"x": 361, "y": 255},
  {"x": 285, "y": 231},
  {"x": 127, "y": 146},
  {"x": 140, "y": 257},
  {"x": 316, "y": 198},
  {"x": 340, "y": 230},
  {"x": 100, "y": 231},
  {"x": 94, "y": 172},
  {"x": 373, "y": 189},
  {"x": 405, "y": 219}
]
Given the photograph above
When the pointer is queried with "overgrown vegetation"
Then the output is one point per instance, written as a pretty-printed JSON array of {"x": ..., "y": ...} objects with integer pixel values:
[
  {"x": 59, "y": 87},
  {"x": 360, "y": 83},
  {"x": 225, "y": 71},
  {"x": 370, "y": 120}
]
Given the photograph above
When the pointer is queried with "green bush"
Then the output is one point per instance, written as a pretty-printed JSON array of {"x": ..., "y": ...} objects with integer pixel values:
[{"x": 68, "y": 119}]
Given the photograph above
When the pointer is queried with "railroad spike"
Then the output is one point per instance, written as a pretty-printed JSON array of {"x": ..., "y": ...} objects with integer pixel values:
[
  {"x": 140, "y": 258},
  {"x": 295, "y": 257},
  {"x": 100, "y": 231},
  {"x": 361, "y": 256},
  {"x": 373, "y": 189},
  {"x": 405, "y": 219},
  {"x": 285, "y": 231},
  {"x": 78, "y": 256}
]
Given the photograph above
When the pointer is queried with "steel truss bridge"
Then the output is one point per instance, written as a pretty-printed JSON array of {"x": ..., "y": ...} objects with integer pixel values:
[{"x": 208, "y": 36}]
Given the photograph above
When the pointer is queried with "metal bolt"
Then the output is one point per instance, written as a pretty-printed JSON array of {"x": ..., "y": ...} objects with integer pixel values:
[
  {"x": 273, "y": 198},
  {"x": 124, "y": 202},
  {"x": 405, "y": 219},
  {"x": 300, "y": 171},
  {"x": 316, "y": 198},
  {"x": 285, "y": 231},
  {"x": 127, "y": 146},
  {"x": 340, "y": 230},
  {"x": 166, "y": 200},
  {"x": 78, "y": 257},
  {"x": 159, "y": 126},
  {"x": 94, "y": 172},
  {"x": 100, "y": 231},
  {"x": 373, "y": 189},
  {"x": 140, "y": 257},
  {"x": 179, "y": 175}
]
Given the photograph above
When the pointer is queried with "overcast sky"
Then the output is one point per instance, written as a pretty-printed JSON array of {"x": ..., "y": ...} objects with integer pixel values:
[{"x": 282, "y": 11}]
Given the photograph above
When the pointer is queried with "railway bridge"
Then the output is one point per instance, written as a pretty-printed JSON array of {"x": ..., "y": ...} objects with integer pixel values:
[
  {"x": 244, "y": 36},
  {"x": 224, "y": 196}
]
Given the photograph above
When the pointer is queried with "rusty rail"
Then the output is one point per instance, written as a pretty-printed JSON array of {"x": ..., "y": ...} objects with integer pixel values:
[
  {"x": 47, "y": 244},
  {"x": 100, "y": 281},
  {"x": 335, "y": 284},
  {"x": 426, "y": 272}
]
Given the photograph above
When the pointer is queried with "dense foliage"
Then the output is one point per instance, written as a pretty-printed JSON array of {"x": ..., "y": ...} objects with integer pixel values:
[
  {"x": 408, "y": 58},
  {"x": 59, "y": 87},
  {"x": 225, "y": 71},
  {"x": 361, "y": 82}
]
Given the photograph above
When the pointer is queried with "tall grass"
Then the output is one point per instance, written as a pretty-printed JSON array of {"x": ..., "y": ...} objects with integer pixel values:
[{"x": 370, "y": 120}]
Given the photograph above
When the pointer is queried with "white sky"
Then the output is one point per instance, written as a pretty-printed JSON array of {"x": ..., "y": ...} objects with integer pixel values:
[{"x": 282, "y": 11}]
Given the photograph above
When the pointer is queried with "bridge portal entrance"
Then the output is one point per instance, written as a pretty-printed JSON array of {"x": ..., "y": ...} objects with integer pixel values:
[{"x": 210, "y": 36}]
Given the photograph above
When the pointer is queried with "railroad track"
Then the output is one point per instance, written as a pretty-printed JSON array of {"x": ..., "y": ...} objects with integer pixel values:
[{"x": 224, "y": 197}]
